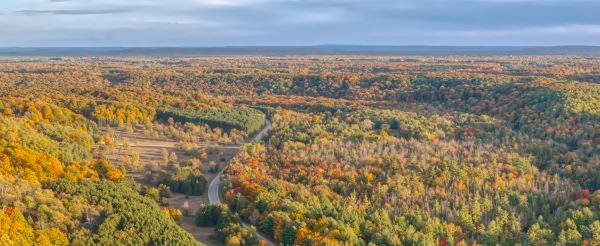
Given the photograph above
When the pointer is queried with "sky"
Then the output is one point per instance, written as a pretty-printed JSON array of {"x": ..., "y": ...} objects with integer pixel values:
[{"x": 49, "y": 23}]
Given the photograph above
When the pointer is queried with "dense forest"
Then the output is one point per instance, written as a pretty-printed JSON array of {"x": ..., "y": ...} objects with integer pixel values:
[{"x": 362, "y": 150}]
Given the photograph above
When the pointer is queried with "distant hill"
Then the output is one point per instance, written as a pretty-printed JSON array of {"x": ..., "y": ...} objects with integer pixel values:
[{"x": 302, "y": 50}]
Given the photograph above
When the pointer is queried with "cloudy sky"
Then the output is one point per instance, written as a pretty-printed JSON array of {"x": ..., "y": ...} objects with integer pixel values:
[{"x": 298, "y": 22}]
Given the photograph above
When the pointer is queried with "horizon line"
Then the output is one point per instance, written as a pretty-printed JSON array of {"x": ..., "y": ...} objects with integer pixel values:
[{"x": 316, "y": 45}]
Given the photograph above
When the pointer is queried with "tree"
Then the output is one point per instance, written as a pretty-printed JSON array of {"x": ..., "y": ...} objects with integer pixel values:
[
  {"x": 7, "y": 111},
  {"x": 208, "y": 215},
  {"x": 107, "y": 171},
  {"x": 267, "y": 225},
  {"x": 173, "y": 158},
  {"x": 153, "y": 193},
  {"x": 186, "y": 208},
  {"x": 569, "y": 235},
  {"x": 165, "y": 155},
  {"x": 213, "y": 167},
  {"x": 201, "y": 154},
  {"x": 595, "y": 231},
  {"x": 539, "y": 236},
  {"x": 288, "y": 234},
  {"x": 233, "y": 241}
]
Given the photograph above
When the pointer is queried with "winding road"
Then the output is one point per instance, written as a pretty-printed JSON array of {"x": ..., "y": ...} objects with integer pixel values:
[{"x": 213, "y": 187}]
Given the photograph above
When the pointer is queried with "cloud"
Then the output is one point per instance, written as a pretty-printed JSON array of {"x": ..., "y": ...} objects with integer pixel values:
[
  {"x": 75, "y": 11},
  {"x": 226, "y": 3},
  {"x": 529, "y": 31}
]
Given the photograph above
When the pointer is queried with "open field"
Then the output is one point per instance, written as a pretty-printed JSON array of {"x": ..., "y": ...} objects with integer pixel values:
[{"x": 150, "y": 151}]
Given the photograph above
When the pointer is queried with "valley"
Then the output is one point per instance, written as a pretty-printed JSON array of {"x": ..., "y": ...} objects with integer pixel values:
[{"x": 323, "y": 150}]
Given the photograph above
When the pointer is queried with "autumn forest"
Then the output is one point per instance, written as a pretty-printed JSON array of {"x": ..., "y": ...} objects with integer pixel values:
[{"x": 300, "y": 150}]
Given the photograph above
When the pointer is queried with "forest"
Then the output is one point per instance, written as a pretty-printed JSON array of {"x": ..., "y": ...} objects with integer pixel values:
[{"x": 360, "y": 150}]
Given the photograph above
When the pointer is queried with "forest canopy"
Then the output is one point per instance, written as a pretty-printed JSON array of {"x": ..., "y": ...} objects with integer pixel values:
[{"x": 361, "y": 150}]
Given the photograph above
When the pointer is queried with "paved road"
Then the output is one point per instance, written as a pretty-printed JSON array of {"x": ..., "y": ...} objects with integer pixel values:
[
  {"x": 213, "y": 187},
  {"x": 262, "y": 132}
]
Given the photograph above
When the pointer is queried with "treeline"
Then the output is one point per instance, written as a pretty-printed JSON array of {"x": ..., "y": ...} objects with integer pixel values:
[
  {"x": 187, "y": 180},
  {"x": 242, "y": 118},
  {"x": 116, "y": 114}
]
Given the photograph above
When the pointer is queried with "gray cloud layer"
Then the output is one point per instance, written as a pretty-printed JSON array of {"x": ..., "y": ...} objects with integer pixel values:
[
  {"x": 297, "y": 22},
  {"x": 75, "y": 11}
]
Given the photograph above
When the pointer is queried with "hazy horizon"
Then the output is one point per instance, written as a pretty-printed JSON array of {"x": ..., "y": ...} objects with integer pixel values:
[{"x": 286, "y": 46}]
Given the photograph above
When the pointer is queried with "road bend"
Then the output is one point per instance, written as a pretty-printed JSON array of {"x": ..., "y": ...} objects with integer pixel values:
[{"x": 213, "y": 187}]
